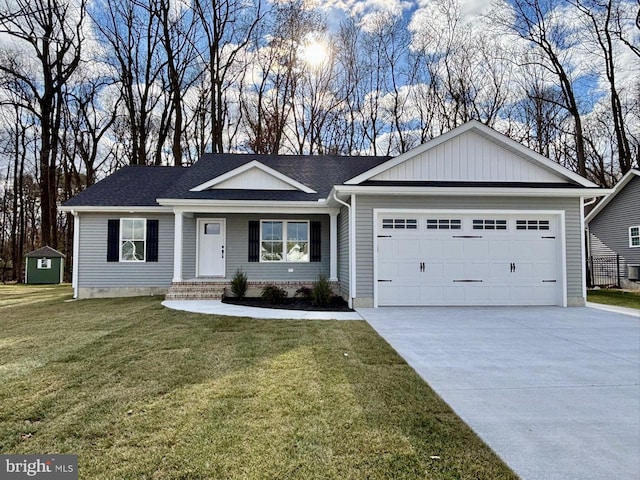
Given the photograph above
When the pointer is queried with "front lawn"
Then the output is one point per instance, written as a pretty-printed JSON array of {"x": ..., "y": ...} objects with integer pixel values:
[
  {"x": 142, "y": 392},
  {"x": 615, "y": 297}
]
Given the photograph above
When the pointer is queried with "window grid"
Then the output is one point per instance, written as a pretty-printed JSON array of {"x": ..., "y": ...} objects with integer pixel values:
[
  {"x": 443, "y": 224},
  {"x": 489, "y": 224},
  {"x": 284, "y": 241},
  {"x": 133, "y": 233},
  {"x": 532, "y": 225},
  {"x": 399, "y": 223}
]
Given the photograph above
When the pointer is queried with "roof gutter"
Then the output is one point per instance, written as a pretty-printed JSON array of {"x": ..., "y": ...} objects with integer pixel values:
[
  {"x": 114, "y": 209},
  {"x": 477, "y": 191}
]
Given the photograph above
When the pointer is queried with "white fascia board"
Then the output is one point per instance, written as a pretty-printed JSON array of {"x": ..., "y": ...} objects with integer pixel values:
[
  {"x": 617, "y": 189},
  {"x": 249, "y": 206},
  {"x": 471, "y": 191},
  {"x": 487, "y": 132},
  {"x": 248, "y": 166},
  {"x": 117, "y": 209}
]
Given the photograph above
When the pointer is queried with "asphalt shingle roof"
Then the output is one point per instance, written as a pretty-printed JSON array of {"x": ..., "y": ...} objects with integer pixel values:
[
  {"x": 130, "y": 186},
  {"x": 320, "y": 173},
  {"x": 142, "y": 185},
  {"x": 46, "y": 251}
]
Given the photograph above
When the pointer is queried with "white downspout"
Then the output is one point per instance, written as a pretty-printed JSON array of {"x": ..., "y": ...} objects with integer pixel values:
[
  {"x": 351, "y": 236},
  {"x": 590, "y": 202},
  {"x": 585, "y": 247},
  {"x": 76, "y": 252}
]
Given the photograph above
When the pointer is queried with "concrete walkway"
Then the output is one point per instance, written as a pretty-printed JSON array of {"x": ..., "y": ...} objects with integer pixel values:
[
  {"x": 554, "y": 391},
  {"x": 633, "y": 312},
  {"x": 216, "y": 307}
]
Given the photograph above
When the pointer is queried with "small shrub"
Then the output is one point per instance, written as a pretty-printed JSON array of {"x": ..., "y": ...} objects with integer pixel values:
[
  {"x": 273, "y": 294},
  {"x": 304, "y": 292},
  {"x": 239, "y": 284},
  {"x": 321, "y": 294}
]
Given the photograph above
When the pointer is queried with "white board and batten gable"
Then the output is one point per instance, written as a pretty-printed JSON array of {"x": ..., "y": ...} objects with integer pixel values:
[
  {"x": 472, "y": 152},
  {"x": 253, "y": 175}
]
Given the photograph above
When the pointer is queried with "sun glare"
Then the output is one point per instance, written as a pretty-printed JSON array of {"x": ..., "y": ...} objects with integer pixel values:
[{"x": 315, "y": 53}]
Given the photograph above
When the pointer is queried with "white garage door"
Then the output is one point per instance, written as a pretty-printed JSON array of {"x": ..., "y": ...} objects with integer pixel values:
[{"x": 468, "y": 259}]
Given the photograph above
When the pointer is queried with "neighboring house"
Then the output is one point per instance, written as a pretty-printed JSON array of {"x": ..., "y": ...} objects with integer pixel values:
[
  {"x": 469, "y": 218},
  {"x": 613, "y": 228}
]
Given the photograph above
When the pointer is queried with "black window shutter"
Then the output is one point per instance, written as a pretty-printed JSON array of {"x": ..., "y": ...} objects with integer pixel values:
[
  {"x": 113, "y": 238},
  {"x": 152, "y": 240},
  {"x": 316, "y": 242},
  {"x": 254, "y": 240}
]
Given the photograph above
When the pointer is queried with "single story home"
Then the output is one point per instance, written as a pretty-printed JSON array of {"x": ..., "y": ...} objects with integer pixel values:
[
  {"x": 613, "y": 229},
  {"x": 468, "y": 218}
]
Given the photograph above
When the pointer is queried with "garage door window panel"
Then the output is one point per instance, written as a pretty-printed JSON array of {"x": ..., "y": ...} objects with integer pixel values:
[
  {"x": 400, "y": 223},
  {"x": 443, "y": 224},
  {"x": 532, "y": 225},
  {"x": 489, "y": 224}
]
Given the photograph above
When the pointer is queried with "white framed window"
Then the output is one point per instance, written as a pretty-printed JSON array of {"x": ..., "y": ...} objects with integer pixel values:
[
  {"x": 133, "y": 232},
  {"x": 634, "y": 236},
  {"x": 44, "y": 263},
  {"x": 284, "y": 241}
]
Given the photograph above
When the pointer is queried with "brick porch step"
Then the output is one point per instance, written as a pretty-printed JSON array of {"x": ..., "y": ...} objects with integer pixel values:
[{"x": 196, "y": 291}]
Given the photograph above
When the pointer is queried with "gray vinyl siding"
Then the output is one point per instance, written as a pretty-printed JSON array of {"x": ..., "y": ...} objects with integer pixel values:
[
  {"x": 364, "y": 229},
  {"x": 237, "y": 250},
  {"x": 609, "y": 230},
  {"x": 343, "y": 251},
  {"x": 189, "y": 247},
  {"x": 94, "y": 270}
]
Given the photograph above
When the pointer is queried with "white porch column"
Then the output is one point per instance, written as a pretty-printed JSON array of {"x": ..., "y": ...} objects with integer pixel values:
[
  {"x": 177, "y": 247},
  {"x": 333, "y": 247}
]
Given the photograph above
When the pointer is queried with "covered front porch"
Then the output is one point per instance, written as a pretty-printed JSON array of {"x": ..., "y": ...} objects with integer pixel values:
[{"x": 287, "y": 245}]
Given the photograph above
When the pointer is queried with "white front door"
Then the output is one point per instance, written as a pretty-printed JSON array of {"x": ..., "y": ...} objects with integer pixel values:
[{"x": 211, "y": 247}]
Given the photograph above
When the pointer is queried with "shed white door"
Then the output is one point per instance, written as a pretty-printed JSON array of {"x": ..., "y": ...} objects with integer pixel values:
[
  {"x": 211, "y": 241},
  {"x": 468, "y": 259}
]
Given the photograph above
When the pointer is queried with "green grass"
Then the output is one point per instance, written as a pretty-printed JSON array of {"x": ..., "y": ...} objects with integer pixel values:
[
  {"x": 142, "y": 392},
  {"x": 615, "y": 297}
]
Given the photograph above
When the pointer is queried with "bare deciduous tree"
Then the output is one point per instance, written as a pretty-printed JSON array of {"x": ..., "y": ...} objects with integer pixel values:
[
  {"x": 51, "y": 31},
  {"x": 538, "y": 22},
  {"x": 228, "y": 26},
  {"x": 132, "y": 47}
]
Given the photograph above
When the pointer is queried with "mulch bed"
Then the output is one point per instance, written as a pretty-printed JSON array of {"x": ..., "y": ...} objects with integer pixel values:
[{"x": 294, "y": 303}]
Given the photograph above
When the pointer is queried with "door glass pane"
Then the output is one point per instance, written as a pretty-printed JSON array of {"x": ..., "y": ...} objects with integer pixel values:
[{"x": 212, "y": 228}]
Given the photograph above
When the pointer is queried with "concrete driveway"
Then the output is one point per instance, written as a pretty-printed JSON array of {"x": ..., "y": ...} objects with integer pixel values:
[{"x": 554, "y": 391}]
